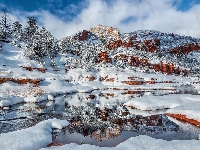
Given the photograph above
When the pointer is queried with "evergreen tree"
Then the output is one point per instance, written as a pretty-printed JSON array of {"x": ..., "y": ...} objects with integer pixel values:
[
  {"x": 17, "y": 33},
  {"x": 27, "y": 37},
  {"x": 49, "y": 46},
  {"x": 64, "y": 46},
  {"x": 44, "y": 46},
  {"x": 30, "y": 30},
  {"x": 5, "y": 27},
  {"x": 89, "y": 56}
]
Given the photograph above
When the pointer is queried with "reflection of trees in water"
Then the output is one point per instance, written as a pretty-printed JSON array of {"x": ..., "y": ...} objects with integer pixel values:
[
  {"x": 108, "y": 123},
  {"x": 99, "y": 123}
]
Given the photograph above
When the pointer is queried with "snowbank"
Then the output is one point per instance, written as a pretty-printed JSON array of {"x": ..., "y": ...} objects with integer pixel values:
[
  {"x": 39, "y": 136},
  {"x": 141, "y": 142},
  {"x": 35, "y": 99},
  {"x": 162, "y": 102},
  {"x": 191, "y": 110},
  {"x": 32, "y": 138},
  {"x": 9, "y": 101}
]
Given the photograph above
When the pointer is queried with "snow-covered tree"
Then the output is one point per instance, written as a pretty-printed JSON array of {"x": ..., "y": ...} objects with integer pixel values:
[
  {"x": 65, "y": 46},
  {"x": 30, "y": 30},
  {"x": 72, "y": 62},
  {"x": 44, "y": 46},
  {"x": 89, "y": 56},
  {"x": 17, "y": 33},
  {"x": 5, "y": 27},
  {"x": 49, "y": 46},
  {"x": 27, "y": 37}
]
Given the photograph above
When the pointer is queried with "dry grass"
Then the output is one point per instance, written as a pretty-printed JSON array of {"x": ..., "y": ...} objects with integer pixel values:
[
  {"x": 25, "y": 91},
  {"x": 34, "y": 91}
]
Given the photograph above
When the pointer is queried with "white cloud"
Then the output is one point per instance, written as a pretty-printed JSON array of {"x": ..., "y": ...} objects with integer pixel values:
[{"x": 159, "y": 15}]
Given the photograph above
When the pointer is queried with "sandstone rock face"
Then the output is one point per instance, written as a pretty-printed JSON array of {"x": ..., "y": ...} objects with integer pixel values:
[
  {"x": 35, "y": 82},
  {"x": 185, "y": 49},
  {"x": 103, "y": 57},
  {"x": 90, "y": 78},
  {"x": 82, "y": 36},
  {"x": 43, "y": 70},
  {"x": 149, "y": 50},
  {"x": 114, "y": 44},
  {"x": 110, "y": 80},
  {"x": 162, "y": 67},
  {"x": 184, "y": 118},
  {"x": 103, "y": 31},
  {"x": 132, "y": 92},
  {"x": 133, "y": 82},
  {"x": 150, "y": 82},
  {"x": 146, "y": 45}
]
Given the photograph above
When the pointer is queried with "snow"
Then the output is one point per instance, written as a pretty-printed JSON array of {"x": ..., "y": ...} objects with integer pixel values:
[
  {"x": 39, "y": 136},
  {"x": 56, "y": 86},
  {"x": 36, "y": 99},
  {"x": 141, "y": 142},
  {"x": 76, "y": 81},
  {"x": 83, "y": 89},
  {"x": 12, "y": 100},
  {"x": 191, "y": 110},
  {"x": 146, "y": 113},
  {"x": 9, "y": 101},
  {"x": 96, "y": 85},
  {"x": 162, "y": 102},
  {"x": 31, "y": 138}
]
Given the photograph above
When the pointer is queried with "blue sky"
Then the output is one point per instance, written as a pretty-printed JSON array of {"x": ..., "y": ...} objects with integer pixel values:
[
  {"x": 56, "y": 7},
  {"x": 187, "y": 4},
  {"x": 70, "y": 16}
]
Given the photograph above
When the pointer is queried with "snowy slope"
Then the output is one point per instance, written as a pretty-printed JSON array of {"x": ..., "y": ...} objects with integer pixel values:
[{"x": 144, "y": 63}]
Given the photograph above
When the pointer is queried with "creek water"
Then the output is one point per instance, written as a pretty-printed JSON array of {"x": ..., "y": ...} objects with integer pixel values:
[{"x": 102, "y": 126}]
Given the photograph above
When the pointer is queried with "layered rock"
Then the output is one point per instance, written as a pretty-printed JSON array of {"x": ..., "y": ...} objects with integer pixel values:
[
  {"x": 43, "y": 70},
  {"x": 35, "y": 82},
  {"x": 147, "y": 49},
  {"x": 110, "y": 33},
  {"x": 184, "y": 118}
]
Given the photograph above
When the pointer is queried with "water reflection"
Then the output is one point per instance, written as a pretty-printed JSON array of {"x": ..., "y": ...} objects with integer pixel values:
[
  {"x": 81, "y": 139},
  {"x": 96, "y": 117},
  {"x": 86, "y": 119}
]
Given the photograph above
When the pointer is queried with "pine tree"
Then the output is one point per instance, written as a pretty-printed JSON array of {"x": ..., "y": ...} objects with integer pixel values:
[
  {"x": 17, "y": 33},
  {"x": 89, "y": 55},
  {"x": 30, "y": 30},
  {"x": 48, "y": 44},
  {"x": 64, "y": 46},
  {"x": 5, "y": 27},
  {"x": 44, "y": 46},
  {"x": 27, "y": 37}
]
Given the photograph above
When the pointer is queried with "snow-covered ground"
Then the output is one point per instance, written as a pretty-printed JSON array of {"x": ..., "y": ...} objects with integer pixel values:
[
  {"x": 32, "y": 138},
  {"x": 111, "y": 81},
  {"x": 163, "y": 102},
  {"x": 39, "y": 137},
  {"x": 141, "y": 142}
]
